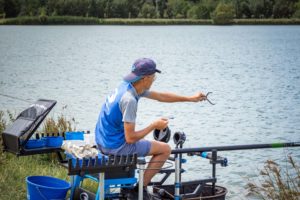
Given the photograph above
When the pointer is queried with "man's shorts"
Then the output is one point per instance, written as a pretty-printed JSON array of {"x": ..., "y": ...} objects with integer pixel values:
[{"x": 141, "y": 148}]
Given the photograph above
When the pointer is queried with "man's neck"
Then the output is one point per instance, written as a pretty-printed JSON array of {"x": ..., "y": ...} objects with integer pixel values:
[{"x": 138, "y": 88}]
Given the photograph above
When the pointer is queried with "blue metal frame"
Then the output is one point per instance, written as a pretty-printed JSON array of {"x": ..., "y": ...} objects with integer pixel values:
[{"x": 109, "y": 183}]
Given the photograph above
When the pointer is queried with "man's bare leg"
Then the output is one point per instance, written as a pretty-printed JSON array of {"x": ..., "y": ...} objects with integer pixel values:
[{"x": 161, "y": 152}]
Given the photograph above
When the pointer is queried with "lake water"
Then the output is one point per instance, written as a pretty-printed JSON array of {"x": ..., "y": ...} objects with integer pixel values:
[{"x": 253, "y": 72}]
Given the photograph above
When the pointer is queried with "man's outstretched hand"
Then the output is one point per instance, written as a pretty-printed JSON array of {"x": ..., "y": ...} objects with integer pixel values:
[{"x": 198, "y": 97}]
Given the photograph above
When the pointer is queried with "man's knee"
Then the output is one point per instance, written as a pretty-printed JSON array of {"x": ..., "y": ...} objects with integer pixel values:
[
  {"x": 160, "y": 148},
  {"x": 167, "y": 149}
]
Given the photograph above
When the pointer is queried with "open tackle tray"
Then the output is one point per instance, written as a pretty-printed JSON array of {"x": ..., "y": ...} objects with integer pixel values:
[{"x": 17, "y": 137}]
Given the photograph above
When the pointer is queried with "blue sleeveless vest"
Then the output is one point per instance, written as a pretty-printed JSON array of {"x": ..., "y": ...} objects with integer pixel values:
[{"x": 109, "y": 130}]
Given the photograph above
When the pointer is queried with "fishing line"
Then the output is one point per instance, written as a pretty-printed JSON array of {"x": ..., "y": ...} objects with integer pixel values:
[
  {"x": 27, "y": 101},
  {"x": 16, "y": 98}
]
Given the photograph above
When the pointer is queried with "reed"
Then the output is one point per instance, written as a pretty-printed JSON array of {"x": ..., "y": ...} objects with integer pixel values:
[
  {"x": 50, "y": 20},
  {"x": 142, "y": 21},
  {"x": 291, "y": 21},
  {"x": 75, "y": 20},
  {"x": 277, "y": 183},
  {"x": 2, "y": 128},
  {"x": 62, "y": 124},
  {"x": 5, "y": 118}
]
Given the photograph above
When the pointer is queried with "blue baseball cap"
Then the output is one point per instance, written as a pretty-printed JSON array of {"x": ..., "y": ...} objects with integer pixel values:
[{"x": 140, "y": 68}]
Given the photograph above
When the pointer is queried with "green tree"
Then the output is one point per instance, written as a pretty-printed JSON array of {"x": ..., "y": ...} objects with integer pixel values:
[
  {"x": 1, "y": 7},
  {"x": 120, "y": 8},
  {"x": 192, "y": 12},
  {"x": 245, "y": 11},
  {"x": 297, "y": 10},
  {"x": 76, "y": 7},
  {"x": 161, "y": 6},
  {"x": 107, "y": 9},
  {"x": 96, "y": 8},
  {"x": 223, "y": 14},
  {"x": 62, "y": 7},
  {"x": 11, "y": 8},
  {"x": 147, "y": 11},
  {"x": 43, "y": 15},
  {"x": 256, "y": 8},
  {"x": 177, "y": 8},
  {"x": 54, "y": 7},
  {"x": 81, "y": 7},
  {"x": 29, "y": 8},
  {"x": 134, "y": 7},
  {"x": 283, "y": 8},
  {"x": 43, "y": 3},
  {"x": 92, "y": 9},
  {"x": 101, "y": 8},
  {"x": 198, "y": 11},
  {"x": 268, "y": 8}
]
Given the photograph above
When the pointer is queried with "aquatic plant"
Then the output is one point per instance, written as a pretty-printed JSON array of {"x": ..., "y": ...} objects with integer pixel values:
[
  {"x": 276, "y": 183},
  {"x": 2, "y": 127},
  {"x": 4, "y": 116},
  {"x": 62, "y": 124}
]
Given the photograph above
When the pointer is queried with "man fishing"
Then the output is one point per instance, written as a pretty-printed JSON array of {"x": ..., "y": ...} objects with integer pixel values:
[{"x": 115, "y": 128}]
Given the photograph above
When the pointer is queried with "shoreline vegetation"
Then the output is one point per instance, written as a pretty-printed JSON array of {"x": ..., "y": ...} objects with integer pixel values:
[
  {"x": 150, "y": 12},
  {"x": 77, "y": 20}
]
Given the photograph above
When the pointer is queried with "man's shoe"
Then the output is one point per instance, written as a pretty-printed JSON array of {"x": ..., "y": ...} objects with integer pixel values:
[
  {"x": 134, "y": 195},
  {"x": 146, "y": 194},
  {"x": 127, "y": 193}
]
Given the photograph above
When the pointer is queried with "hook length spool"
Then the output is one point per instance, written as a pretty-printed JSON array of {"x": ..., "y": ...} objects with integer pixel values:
[{"x": 162, "y": 135}]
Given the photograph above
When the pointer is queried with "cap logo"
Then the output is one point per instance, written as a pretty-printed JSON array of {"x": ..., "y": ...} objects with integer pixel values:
[{"x": 133, "y": 68}]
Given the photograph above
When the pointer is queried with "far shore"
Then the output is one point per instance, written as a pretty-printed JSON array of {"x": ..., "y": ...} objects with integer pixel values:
[{"x": 73, "y": 20}]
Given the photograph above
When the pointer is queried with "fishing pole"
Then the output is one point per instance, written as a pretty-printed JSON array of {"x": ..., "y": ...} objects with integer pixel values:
[{"x": 236, "y": 147}]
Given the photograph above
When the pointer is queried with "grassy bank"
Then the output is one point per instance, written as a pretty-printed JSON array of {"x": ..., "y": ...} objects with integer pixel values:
[
  {"x": 71, "y": 20},
  {"x": 15, "y": 169}
]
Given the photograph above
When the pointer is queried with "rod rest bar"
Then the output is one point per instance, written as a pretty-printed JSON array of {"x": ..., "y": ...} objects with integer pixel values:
[
  {"x": 220, "y": 160},
  {"x": 102, "y": 164}
]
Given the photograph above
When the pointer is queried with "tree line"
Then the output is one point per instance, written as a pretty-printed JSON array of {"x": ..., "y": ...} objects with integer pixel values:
[{"x": 168, "y": 9}]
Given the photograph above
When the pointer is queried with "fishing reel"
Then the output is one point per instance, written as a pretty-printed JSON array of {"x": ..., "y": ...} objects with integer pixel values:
[
  {"x": 162, "y": 135},
  {"x": 179, "y": 138}
]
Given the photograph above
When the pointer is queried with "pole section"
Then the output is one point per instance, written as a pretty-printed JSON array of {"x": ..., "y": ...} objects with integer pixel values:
[{"x": 236, "y": 147}]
